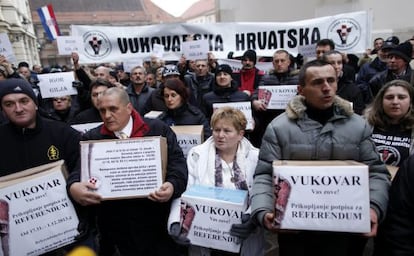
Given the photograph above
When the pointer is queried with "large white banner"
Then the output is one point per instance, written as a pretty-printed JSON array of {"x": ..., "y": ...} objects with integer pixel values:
[{"x": 349, "y": 31}]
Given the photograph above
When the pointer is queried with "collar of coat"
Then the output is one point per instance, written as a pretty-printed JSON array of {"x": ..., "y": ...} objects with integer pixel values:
[
  {"x": 297, "y": 107},
  {"x": 139, "y": 127}
]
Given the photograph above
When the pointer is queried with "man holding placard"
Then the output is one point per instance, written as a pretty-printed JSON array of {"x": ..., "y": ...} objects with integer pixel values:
[
  {"x": 270, "y": 99},
  {"x": 133, "y": 226},
  {"x": 28, "y": 141},
  {"x": 318, "y": 125}
]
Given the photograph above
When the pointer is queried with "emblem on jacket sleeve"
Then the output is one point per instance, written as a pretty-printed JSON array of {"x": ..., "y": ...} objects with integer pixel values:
[{"x": 53, "y": 153}]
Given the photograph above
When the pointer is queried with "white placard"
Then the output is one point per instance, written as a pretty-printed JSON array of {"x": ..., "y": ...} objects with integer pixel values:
[
  {"x": 322, "y": 197},
  {"x": 56, "y": 84},
  {"x": 195, "y": 50},
  {"x": 83, "y": 128},
  {"x": 277, "y": 96},
  {"x": 40, "y": 215},
  {"x": 129, "y": 64},
  {"x": 123, "y": 168},
  {"x": 68, "y": 44},
  {"x": 307, "y": 51},
  {"x": 208, "y": 214},
  {"x": 243, "y": 106},
  {"x": 158, "y": 50},
  {"x": 6, "y": 48}
]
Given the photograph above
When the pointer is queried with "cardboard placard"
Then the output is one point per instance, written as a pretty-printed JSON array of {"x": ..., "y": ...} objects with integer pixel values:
[
  {"x": 207, "y": 214},
  {"x": 322, "y": 195},
  {"x": 277, "y": 96},
  {"x": 188, "y": 136},
  {"x": 127, "y": 168},
  {"x": 243, "y": 106},
  {"x": 36, "y": 214},
  {"x": 56, "y": 84}
]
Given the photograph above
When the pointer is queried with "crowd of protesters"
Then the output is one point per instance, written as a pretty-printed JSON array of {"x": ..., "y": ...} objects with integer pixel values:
[{"x": 373, "y": 96}]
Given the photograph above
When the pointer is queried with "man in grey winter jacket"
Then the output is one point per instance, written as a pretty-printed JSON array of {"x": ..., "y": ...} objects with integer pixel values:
[{"x": 318, "y": 125}]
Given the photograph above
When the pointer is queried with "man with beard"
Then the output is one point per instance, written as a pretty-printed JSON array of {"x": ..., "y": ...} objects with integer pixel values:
[{"x": 249, "y": 78}]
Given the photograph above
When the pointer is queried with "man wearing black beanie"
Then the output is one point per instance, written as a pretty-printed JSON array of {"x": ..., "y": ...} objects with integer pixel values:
[
  {"x": 249, "y": 78},
  {"x": 398, "y": 67},
  {"x": 29, "y": 140}
]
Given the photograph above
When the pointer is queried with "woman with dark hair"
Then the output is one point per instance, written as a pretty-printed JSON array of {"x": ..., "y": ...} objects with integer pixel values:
[
  {"x": 392, "y": 118},
  {"x": 179, "y": 111}
]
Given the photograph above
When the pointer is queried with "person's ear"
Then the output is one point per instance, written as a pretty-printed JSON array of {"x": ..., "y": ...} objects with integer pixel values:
[{"x": 300, "y": 90}]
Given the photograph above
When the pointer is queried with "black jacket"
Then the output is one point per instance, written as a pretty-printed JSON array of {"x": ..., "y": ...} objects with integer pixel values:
[
  {"x": 222, "y": 95},
  {"x": 187, "y": 115},
  {"x": 90, "y": 115},
  {"x": 385, "y": 76},
  {"x": 139, "y": 226},
  {"x": 199, "y": 86},
  {"x": 50, "y": 141},
  {"x": 396, "y": 235},
  {"x": 349, "y": 91}
]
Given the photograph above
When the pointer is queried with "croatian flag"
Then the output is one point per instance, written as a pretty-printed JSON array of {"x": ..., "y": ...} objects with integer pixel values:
[{"x": 48, "y": 19}]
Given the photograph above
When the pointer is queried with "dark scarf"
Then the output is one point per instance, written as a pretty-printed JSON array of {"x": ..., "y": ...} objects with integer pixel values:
[{"x": 321, "y": 116}]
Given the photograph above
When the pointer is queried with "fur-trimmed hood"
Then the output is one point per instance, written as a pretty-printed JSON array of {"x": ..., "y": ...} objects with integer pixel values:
[{"x": 296, "y": 107}]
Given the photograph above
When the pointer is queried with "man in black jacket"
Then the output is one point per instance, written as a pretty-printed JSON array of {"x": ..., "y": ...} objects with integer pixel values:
[
  {"x": 29, "y": 140},
  {"x": 133, "y": 226}
]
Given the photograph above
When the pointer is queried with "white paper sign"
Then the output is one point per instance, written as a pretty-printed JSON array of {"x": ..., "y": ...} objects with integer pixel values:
[
  {"x": 36, "y": 214},
  {"x": 322, "y": 197},
  {"x": 243, "y": 106},
  {"x": 6, "y": 48},
  {"x": 83, "y": 128},
  {"x": 195, "y": 50},
  {"x": 158, "y": 50},
  {"x": 277, "y": 96},
  {"x": 307, "y": 50},
  {"x": 56, "y": 84},
  {"x": 208, "y": 214},
  {"x": 129, "y": 64},
  {"x": 123, "y": 168},
  {"x": 68, "y": 44}
]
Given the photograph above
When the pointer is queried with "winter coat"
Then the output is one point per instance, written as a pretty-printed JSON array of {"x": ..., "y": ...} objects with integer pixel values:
[
  {"x": 385, "y": 76},
  {"x": 348, "y": 90},
  {"x": 138, "y": 101},
  {"x": 294, "y": 136},
  {"x": 222, "y": 95},
  {"x": 201, "y": 170},
  {"x": 199, "y": 85},
  {"x": 397, "y": 233},
  {"x": 140, "y": 224},
  {"x": 187, "y": 114},
  {"x": 49, "y": 141}
]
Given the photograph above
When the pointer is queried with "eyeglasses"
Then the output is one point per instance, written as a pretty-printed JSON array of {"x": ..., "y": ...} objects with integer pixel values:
[{"x": 60, "y": 99}]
